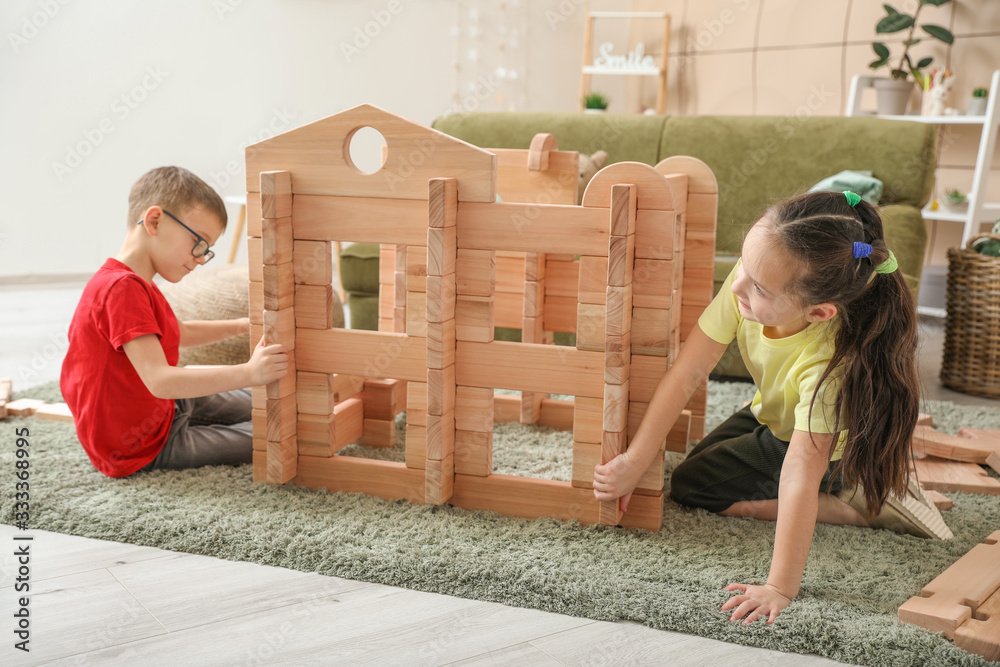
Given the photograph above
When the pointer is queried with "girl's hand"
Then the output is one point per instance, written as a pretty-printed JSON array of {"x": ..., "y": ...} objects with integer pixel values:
[
  {"x": 616, "y": 479},
  {"x": 755, "y": 602}
]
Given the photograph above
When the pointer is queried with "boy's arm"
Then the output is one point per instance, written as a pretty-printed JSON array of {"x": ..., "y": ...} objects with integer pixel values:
[
  {"x": 696, "y": 360},
  {"x": 206, "y": 332},
  {"x": 798, "y": 503},
  {"x": 267, "y": 364}
]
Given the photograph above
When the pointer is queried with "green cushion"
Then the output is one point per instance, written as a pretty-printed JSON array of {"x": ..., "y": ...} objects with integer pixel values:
[
  {"x": 624, "y": 136},
  {"x": 761, "y": 160},
  {"x": 359, "y": 269}
]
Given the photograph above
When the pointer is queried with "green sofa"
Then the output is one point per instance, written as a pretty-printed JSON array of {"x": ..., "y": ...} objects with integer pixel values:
[{"x": 757, "y": 161}]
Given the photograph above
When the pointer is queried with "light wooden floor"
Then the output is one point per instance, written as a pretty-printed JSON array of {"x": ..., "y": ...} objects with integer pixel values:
[{"x": 96, "y": 602}]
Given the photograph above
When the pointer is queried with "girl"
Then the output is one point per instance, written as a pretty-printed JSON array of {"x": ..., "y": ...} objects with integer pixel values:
[{"x": 827, "y": 326}]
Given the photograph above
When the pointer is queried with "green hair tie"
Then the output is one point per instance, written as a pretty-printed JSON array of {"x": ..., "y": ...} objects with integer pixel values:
[
  {"x": 852, "y": 198},
  {"x": 888, "y": 266}
]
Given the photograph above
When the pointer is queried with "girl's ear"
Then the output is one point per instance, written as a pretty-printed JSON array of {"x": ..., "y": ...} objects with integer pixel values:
[{"x": 821, "y": 313}]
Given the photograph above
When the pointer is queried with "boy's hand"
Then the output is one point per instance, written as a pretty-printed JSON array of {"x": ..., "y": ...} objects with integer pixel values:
[
  {"x": 616, "y": 479},
  {"x": 267, "y": 364},
  {"x": 755, "y": 602},
  {"x": 241, "y": 326}
]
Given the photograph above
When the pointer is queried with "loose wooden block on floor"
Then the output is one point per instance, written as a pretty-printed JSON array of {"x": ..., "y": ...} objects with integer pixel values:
[
  {"x": 57, "y": 412},
  {"x": 949, "y": 476}
]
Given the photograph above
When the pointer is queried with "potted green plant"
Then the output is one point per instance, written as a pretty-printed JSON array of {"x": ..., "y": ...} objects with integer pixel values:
[
  {"x": 595, "y": 103},
  {"x": 955, "y": 199},
  {"x": 894, "y": 92},
  {"x": 977, "y": 105}
]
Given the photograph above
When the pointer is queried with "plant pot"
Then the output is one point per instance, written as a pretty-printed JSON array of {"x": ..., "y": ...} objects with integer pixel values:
[
  {"x": 594, "y": 110},
  {"x": 893, "y": 96},
  {"x": 977, "y": 106}
]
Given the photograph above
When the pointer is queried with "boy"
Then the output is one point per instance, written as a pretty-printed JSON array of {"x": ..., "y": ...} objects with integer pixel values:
[{"x": 134, "y": 408}]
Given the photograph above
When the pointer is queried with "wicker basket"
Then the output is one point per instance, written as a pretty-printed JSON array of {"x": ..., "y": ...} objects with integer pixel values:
[{"x": 971, "y": 362}]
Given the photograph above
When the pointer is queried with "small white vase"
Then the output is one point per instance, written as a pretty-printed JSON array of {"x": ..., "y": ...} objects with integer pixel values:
[
  {"x": 594, "y": 110},
  {"x": 977, "y": 106}
]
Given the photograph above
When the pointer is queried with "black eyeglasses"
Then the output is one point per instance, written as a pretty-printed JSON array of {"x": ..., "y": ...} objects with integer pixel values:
[{"x": 201, "y": 248}]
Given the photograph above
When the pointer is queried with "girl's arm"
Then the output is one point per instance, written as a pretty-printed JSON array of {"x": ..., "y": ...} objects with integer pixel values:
[
  {"x": 206, "y": 332},
  {"x": 798, "y": 503},
  {"x": 697, "y": 358}
]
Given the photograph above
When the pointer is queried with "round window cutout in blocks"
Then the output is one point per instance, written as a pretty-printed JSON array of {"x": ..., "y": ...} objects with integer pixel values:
[{"x": 365, "y": 149}]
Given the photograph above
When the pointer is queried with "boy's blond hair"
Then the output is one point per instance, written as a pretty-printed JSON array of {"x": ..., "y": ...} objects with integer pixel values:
[{"x": 176, "y": 189}]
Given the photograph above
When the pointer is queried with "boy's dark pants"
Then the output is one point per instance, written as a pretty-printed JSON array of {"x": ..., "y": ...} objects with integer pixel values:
[
  {"x": 211, "y": 430},
  {"x": 740, "y": 460}
]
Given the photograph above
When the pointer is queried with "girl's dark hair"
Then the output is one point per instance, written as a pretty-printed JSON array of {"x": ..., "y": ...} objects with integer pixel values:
[{"x": 876, "y": 344}]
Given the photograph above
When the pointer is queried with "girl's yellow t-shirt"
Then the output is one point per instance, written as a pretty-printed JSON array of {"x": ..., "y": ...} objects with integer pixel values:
[{"x": 785, "y": 370}]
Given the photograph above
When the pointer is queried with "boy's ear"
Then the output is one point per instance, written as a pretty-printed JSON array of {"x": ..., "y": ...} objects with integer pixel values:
[
  {"x": 821, "y": 313},
  {"x": 151, "y": 220}
]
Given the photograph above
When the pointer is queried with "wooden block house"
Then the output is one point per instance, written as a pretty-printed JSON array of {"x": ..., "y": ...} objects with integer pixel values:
[{"x": 628, "y": 272}]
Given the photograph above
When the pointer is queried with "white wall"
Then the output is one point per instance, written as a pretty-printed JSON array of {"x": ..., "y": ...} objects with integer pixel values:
[{"x": 94, "y": 94}]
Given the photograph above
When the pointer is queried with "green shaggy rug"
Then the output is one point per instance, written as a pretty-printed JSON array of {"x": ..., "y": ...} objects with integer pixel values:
[{"x": 673, "y": 579}]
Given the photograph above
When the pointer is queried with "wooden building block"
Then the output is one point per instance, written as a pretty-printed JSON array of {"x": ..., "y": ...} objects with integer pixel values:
[
  {"x": 591, "y": 323},
  {"x": 255, "y": 258},
  {"x": 506, "y": 408},
  {"x": 475, "y": 272},
  {"x": 653, "y": 283},
  {"x": 56, "y": 412},
  {"x": 474, "y": 318},
  {"x": 253, "y": 213},
  {"x": 655, "y": 234},
  {"x": 651, "y": 188},
  {"x": 378, "y": 433},
  {"x": 531, "y": 406},
  {"x": 6, "y": 390},
  {"x": 941, "y": 501},
  {"x": 619, "y": 310},
  {"x": 474, "y": 408},
  {"x": 312, "y": 262},
  {"x": 617, "y": 359},
  {"x": 508, "y": 309},
  {"x": 384, "y": 399},
  {"x": 24, "y": 407},
  {"x": 282, "y": 457},
  {"x": 314, "y": 306},
  {"x": 255, "y": 297},
  {"x": 650, "y": 334},
  {"x": 279, "y": 327},
  {"x": 615, "y": 407},
  {"x": 442, "y": 202},
  {"x": 440, "y": 390},
  {"x": 371, "y": 354},
  {"x": 934, "y": 443},
  {"x": 534, "y": 266},
  {"x": 260, "y": 465},
  {"x": 593, "y": 280},
  {"x": 276, "y": 242},
  {"x": 981, "y": 633},
  {"x": 440, "y": 436},
  {"x": 416, "y": 446},
  {"x": 955, "y": 595},
  {"x": 532, "y": 331},
  {"x": 993, "y": 461},
  {"x": 623, "y": 207},
  {"x": 979, "y": 433},
  {"x": 440, "y": 304},
  {"x": 281, "y": 419},
  {"x": 440, "y": 480},
  {"x": 610, "y": 512},
  {"x": 553, "y": 369},
  {"x": 474, "y": 453},
  {"x": 533, "y": 228},
  {"x": 644, "y": 376},
  {"x": 534, "y": 299},
  {"x": 360, "y": 219},
  {"x": 386, "y": 262},
  {"x": 542, "y": 145},
  {"x": 525, "y": 498},
  {"x": 285, "y": 386},
  {"x": 588, "y": 419},
  {"x": 324, "y": 435},
  {"x": 509, "y": 271},
  {"x": 562, "y": 277},
  {"x": 279, "y": 286},
  {"x": 556, "y": 413},
  {"x": 441, "y": 250},
  {"x": 416, "y": 314},
  {"x": 399, "y": 289},
  {"x": 560, "y": 314},
  {"x": 416, "y": 268},
  {"x": 386, "y": 479},
  {"x": 621, "y": 259},
  {"x": 949, "y": 476},
  {"x": 275, "y": 194},
  {"x": 441, "y": 344},
  {"x": 319, "y": 393}
]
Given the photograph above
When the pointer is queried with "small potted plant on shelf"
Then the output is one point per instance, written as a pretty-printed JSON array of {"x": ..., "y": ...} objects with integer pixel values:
[
  {"x": 977, "y": 105},
  {"x": 894, "y": 93},
  {"x": 955, "y": 200},
  {"x": 595, "y": 103}
]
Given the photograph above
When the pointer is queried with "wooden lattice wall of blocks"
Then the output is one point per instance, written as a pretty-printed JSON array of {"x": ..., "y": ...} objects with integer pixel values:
[{"x": 628, "y": 272}]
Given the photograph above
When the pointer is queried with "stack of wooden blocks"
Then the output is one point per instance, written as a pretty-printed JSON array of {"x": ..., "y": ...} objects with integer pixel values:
[{"x": 629, "y": 272}]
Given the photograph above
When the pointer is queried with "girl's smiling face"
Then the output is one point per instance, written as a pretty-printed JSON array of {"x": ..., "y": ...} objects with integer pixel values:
[{"x": 762, "y": 286}]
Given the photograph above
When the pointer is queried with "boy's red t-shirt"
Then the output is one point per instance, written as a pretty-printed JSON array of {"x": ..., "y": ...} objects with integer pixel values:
[{"x": 121, "y": 425}]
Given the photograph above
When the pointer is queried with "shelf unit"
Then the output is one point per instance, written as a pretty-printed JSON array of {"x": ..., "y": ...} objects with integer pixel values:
[
  {"x": 979, "y": 210},
  {"x": 590, "y": 69}
]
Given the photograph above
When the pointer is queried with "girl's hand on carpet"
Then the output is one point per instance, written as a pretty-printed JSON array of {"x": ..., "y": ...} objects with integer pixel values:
[
  {"x": 755, "y": 602},
  {"x": 616, "y": 479}
]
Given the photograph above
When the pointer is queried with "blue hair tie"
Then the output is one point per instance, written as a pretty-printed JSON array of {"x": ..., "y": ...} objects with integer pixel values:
[{"x": 861, "y": 249}]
